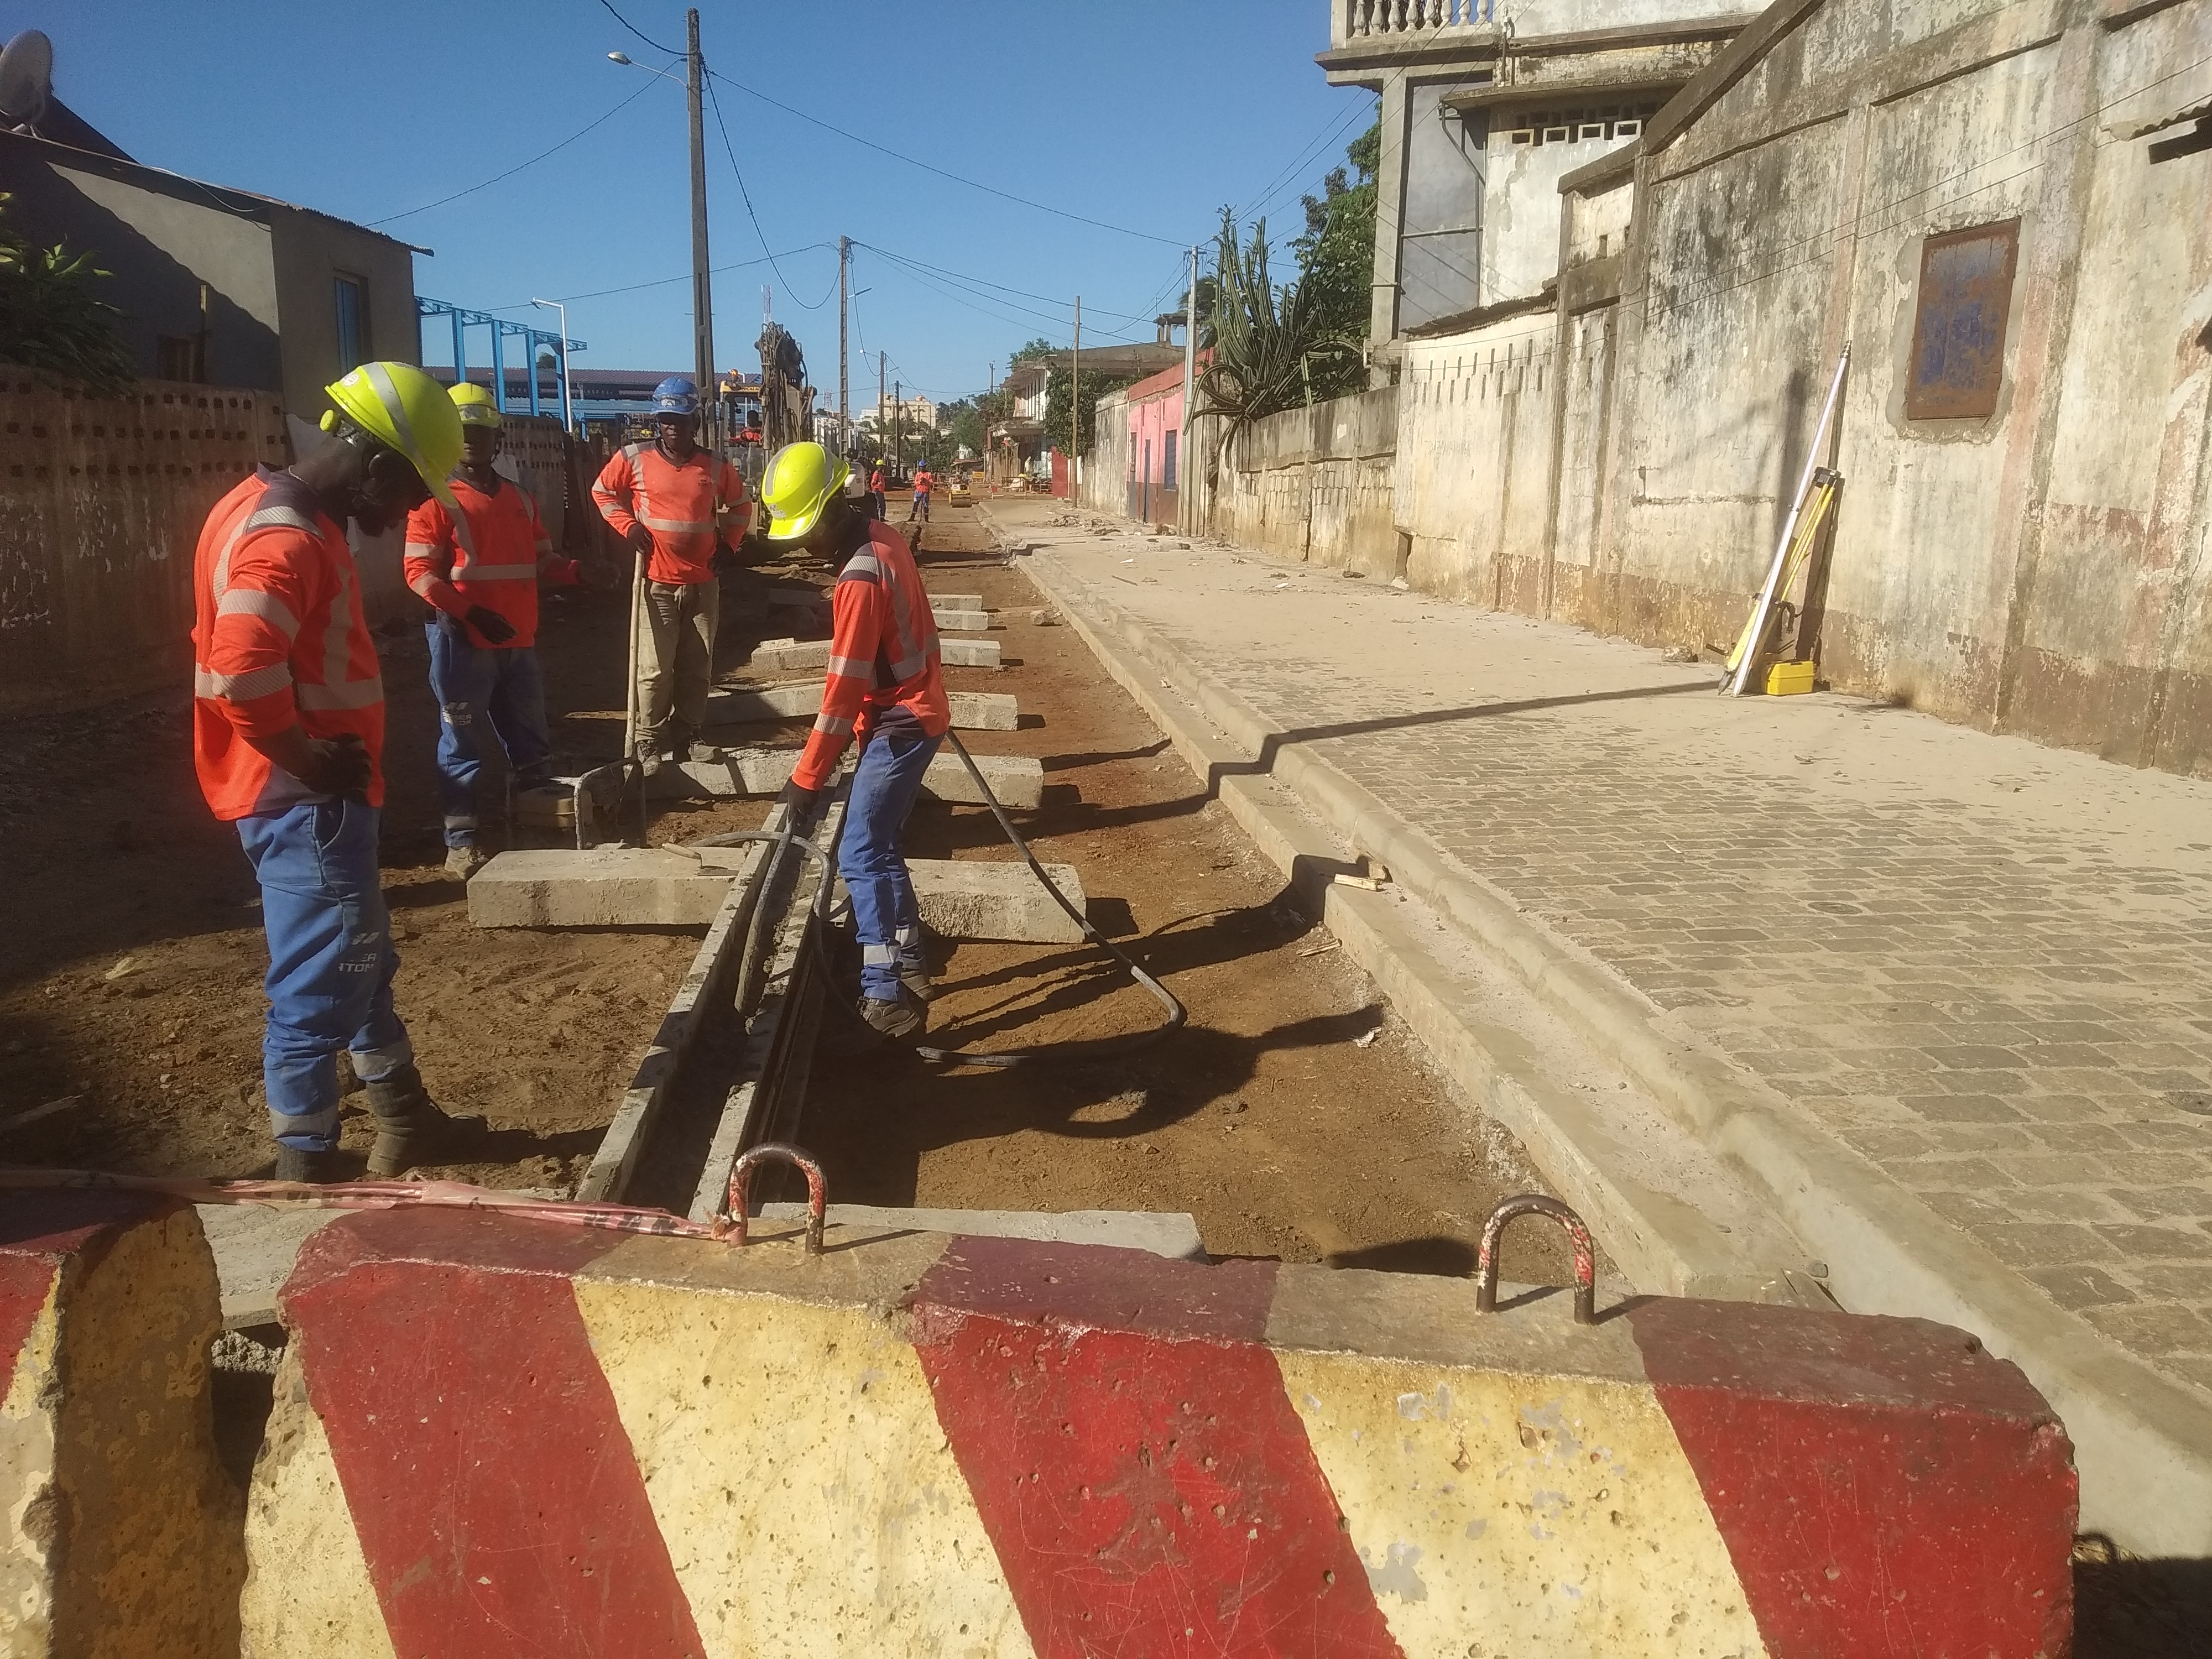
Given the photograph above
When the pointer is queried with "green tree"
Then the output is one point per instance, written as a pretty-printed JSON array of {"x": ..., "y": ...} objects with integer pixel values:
[
  {"x": 52, "y": 322},
  {"x": 1336, "y": 260},
  {"x": 1036, "y": 348},
  {"x": 1056, "y": 395}
]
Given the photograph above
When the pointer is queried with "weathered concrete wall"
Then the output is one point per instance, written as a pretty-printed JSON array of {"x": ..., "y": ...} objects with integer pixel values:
[
  {"x": 1106, "y": 470},
  {"x": 1311, "y": 483},
  {"x": 312, "y": 252},
  {"x": 101, "y": 501}
]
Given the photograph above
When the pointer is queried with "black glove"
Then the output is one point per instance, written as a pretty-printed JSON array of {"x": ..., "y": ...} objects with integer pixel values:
[
  {"x": 489, "y": 622},
  {"x": 641, "y": 538},
  {"x": 339, "y": 765},
  {"x": 724, "y": 559},
  {"x": 800, "y": 805}
]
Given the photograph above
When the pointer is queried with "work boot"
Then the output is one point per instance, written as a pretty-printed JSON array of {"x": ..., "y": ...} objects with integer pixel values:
[
  {"x": 410, "y": 1129},
  {"x": 650, "y": 763},
  {"x": 915, "y": 978},
  {"x": 901, "y": 1019},
  {"x": 462, "y": 862},
  {"x": 318, "y": 1169},
  {"x": 702, "y": 752}
]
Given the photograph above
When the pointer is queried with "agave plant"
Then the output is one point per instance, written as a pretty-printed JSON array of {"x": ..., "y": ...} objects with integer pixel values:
[
  {"x": 51, "y": 320},
  {"x": 1269, "y": 343}
]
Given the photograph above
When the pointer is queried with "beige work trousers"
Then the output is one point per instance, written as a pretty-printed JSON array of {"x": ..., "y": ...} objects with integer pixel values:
[{"x": 676, "y": 662}]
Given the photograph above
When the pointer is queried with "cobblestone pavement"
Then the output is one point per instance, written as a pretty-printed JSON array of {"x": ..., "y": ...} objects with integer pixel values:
[{"x": 1985, "y": 964}]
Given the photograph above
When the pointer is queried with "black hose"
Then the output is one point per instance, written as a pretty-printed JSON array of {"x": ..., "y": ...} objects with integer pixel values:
[{"x": 1177, "y": 1015}]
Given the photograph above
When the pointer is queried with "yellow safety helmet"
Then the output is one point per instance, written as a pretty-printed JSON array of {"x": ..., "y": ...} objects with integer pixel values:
[
  {"x": 407, "y": 411},
  {"x": 801, "y": 481},
  {"x": 475, "y": 405}
]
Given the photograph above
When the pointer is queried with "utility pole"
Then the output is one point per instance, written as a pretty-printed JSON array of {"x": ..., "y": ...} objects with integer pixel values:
[
  {"x": 1075, "y": 401},
  {"x": 702, "y": 295},
  {"x": 844, "y": 387},
  {"x": 1185, "y": 507},
  {"x": 898, "y": 426},
  {"x": 882, "y": 413}
]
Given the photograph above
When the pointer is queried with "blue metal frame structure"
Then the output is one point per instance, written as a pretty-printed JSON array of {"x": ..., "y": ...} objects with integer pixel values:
[{"x": 501, "y": 329}]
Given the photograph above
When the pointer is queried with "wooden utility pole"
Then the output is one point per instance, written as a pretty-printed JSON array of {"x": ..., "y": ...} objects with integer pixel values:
[
  {"x": 1075, "y": 398},
  {"x": 1186, "y": 504},
  {"x": 844, "y": 385},
  {"x": 702, "y": 293},
  {"x": 898, "y": 425}
]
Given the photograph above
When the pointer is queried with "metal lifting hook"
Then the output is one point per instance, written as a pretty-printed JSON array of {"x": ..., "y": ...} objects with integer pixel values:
[
  {"x": 732, "y": 1223},
  {"x": 1485, "y": 1261}
]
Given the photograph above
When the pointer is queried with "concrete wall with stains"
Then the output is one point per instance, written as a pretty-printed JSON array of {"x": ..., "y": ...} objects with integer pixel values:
[
  {"x": 1314, "y": 483},
  {"x": 101, "y": 501}
]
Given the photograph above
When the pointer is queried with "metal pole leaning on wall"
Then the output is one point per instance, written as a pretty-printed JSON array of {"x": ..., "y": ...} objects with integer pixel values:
[
  {"x": 1755, "y": 634},
  {"x": 1186, "y": 504}
]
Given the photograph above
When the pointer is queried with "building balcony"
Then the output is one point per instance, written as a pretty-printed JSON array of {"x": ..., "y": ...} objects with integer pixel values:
[{"x": 1370, "y": 30}]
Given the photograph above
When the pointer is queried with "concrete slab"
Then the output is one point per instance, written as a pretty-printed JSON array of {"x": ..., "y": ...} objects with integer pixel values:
[
  {"x": 784, "y": 656},
  {"x": 965, "y": 899},
  {"x": 985, "y": 711},
  {"x": 747, "y": 771},
  {"x": 1174, "y": 1237},
  {"x": 943, "y": 602},
  {"x": 967, "y": 653},
  {"x": 254, "y": 1249},
  {"x": 963, "y": 622},
  {"x": 972, "y": 711},
  {"x": 603, "y": 887},
  {"x": 1016, "y": 780}
]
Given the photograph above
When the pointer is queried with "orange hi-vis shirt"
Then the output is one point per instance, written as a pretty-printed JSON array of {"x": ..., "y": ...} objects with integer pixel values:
[
  {"x": 493, "y": 555},
  {"x": 278, "y": 640},
  {"x": 884, "y": 663},
  {"x": 684, "y": 506},
  {"x": 923, "y": 483}
]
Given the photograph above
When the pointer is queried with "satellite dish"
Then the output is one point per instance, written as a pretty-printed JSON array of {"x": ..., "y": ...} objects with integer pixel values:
[{"x": 26, "y": 79}]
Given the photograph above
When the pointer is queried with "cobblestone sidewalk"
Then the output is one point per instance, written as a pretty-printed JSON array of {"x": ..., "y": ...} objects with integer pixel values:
[{"x": 1985, "y": 964}]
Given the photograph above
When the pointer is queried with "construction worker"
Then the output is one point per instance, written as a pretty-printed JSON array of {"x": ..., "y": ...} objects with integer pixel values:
[
  {"x": 288, "y": 739},
  {"x": 681, "y": 509},
  {"x": 886, "y": 690},
  {"x": 876, "y": 487},
  {"x": 923, "y": 484},
  {"x": 478, "y": 568}
]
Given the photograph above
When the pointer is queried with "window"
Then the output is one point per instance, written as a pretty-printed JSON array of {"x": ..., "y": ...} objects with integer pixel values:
[
  {"x": 1959, "y": 327},
  {"x": 1168, "y": 460},
  {"x": 180, "y": 357},
  {"x": 351, "y": 304}
]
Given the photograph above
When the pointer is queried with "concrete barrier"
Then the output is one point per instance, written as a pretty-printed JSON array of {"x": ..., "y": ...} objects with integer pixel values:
[
  {"x": 964, "y": 898},
  {"x": 969, "y": 653},
  {"x": 493, "y": 1435},
  {"x": 783, "y": 656},
  {"x": 1016, "y": 779},
  {"x": 942, "y": 601},
  {"x": 964, "y": 622},
  {"x": 118, "y": 1531},
  {"x": 972, "y": 711}
]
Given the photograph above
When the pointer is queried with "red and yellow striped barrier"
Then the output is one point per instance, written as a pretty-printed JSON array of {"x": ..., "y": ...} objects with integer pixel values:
[{"x": 494, "y": 1436}]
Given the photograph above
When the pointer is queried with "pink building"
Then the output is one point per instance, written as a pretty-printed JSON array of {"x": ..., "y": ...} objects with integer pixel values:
[{"x": 1154, "y": 467}]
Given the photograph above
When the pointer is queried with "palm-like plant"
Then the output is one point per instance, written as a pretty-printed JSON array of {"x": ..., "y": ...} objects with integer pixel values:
[
  {"x": 1269, "y": 343},
  {"x": 51, "y": 320}
]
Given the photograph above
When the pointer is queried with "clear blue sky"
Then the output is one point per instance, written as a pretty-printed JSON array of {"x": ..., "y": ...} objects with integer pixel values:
[{"x": 1145, "y": 114}]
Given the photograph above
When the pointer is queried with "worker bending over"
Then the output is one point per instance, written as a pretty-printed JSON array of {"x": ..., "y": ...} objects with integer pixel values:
[
  {"x": 681, "y": 509},
  {"x": 886, "y": 690},
  {"x": 287, "y": 738},
  {"x": 478, "y": 565}
]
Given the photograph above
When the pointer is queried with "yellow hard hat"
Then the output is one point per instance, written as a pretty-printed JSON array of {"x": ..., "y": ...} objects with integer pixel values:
[
  {"x": 475, "y": 405},
  {"x": 407, "y": 411},
  {"x": 801, "y": 481}
]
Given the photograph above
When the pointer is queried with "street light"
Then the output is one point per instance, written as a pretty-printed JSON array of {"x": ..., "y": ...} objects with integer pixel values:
[{"x": 566, "y": 423}]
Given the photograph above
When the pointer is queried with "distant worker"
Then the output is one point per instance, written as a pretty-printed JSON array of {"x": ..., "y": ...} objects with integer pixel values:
[
  {"x": 288, "y": 739},
  {"x": 479, "y": 567},
  {"x": 682, "y": 510},
  {"x": 885, "y": 690},
  {"x": 923, "y": 484},
  {"x": 876, "y": 488}
]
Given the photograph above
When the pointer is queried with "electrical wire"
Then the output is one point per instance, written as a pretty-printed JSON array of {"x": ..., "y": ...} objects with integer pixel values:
[
  {"x": 662, "y": 281},
  {"x": 985, "y": 282},
  {"x": 747, "y": 196},
  {"x": 957, "y": 179},
  {"x": 673, "y": 51},
  {"x": 497, "y": 177}
]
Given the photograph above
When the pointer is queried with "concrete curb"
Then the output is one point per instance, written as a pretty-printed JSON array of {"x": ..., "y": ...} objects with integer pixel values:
[{"x": 2144, "y": 1442}]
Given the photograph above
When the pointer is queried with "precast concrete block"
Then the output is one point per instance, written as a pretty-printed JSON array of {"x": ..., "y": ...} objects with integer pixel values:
[
  {"x": 602, "y": 887},
  {"x": 968, "y": 653},
  {"x": 743, "y": 771},
  {"x": 1016, "y": 780},
  {"x": 964, "y": 622},
  {"x": 985, "y": 711},
  {"x": 737, "y": 706},
  {"x": 965, "y": 899},
  {"x": 966, "y": 1416},
  {"x": 118, "y": 1528},
  {"x": 941, "y": 603},
  {"x": 787, "y": 656}
]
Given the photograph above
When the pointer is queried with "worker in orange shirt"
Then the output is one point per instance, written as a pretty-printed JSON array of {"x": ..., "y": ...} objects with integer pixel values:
[
  {"x": 885, "y": 691},
  {"x": 683, "y": 510},
  {"x": 923, "y": 484},
  {"x": 288, "y": 739},
  {"x": 478, "y": 568},
  {"x": 876, "y": 488}
]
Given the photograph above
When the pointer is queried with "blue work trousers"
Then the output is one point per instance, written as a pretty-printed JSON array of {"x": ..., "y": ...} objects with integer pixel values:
[
  {"x": 884, "y": 917},
  {"x": 330, "y": 963},
  {"x": 475, "y": 687}
]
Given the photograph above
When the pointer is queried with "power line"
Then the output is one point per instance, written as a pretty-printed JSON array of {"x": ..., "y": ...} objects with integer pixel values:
[
  {"x": 747, "y": 196},
  {"x": 957, "y": 179},
  {"x": 1314, "y": 149},
  {"x": 410, "y": 213},
  {"x": 660, "y": 281},
  {"x": 985, "y": 282},
  {"x": 640, "y": 32}
]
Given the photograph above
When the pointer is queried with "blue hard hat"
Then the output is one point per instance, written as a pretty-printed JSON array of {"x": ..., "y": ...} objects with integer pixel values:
[{"x": 675, "y": 395}]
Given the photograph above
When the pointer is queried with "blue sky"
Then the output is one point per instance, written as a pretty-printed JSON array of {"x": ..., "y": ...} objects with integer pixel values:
[{"x": 1144, "y": 114}]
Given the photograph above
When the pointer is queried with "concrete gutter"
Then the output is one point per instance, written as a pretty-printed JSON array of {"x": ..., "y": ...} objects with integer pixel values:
[{"x": 2143, "y": 1443}]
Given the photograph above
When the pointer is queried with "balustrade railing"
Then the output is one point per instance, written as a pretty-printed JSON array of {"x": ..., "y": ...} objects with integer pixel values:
[{"x": 1391, "y": 20}]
